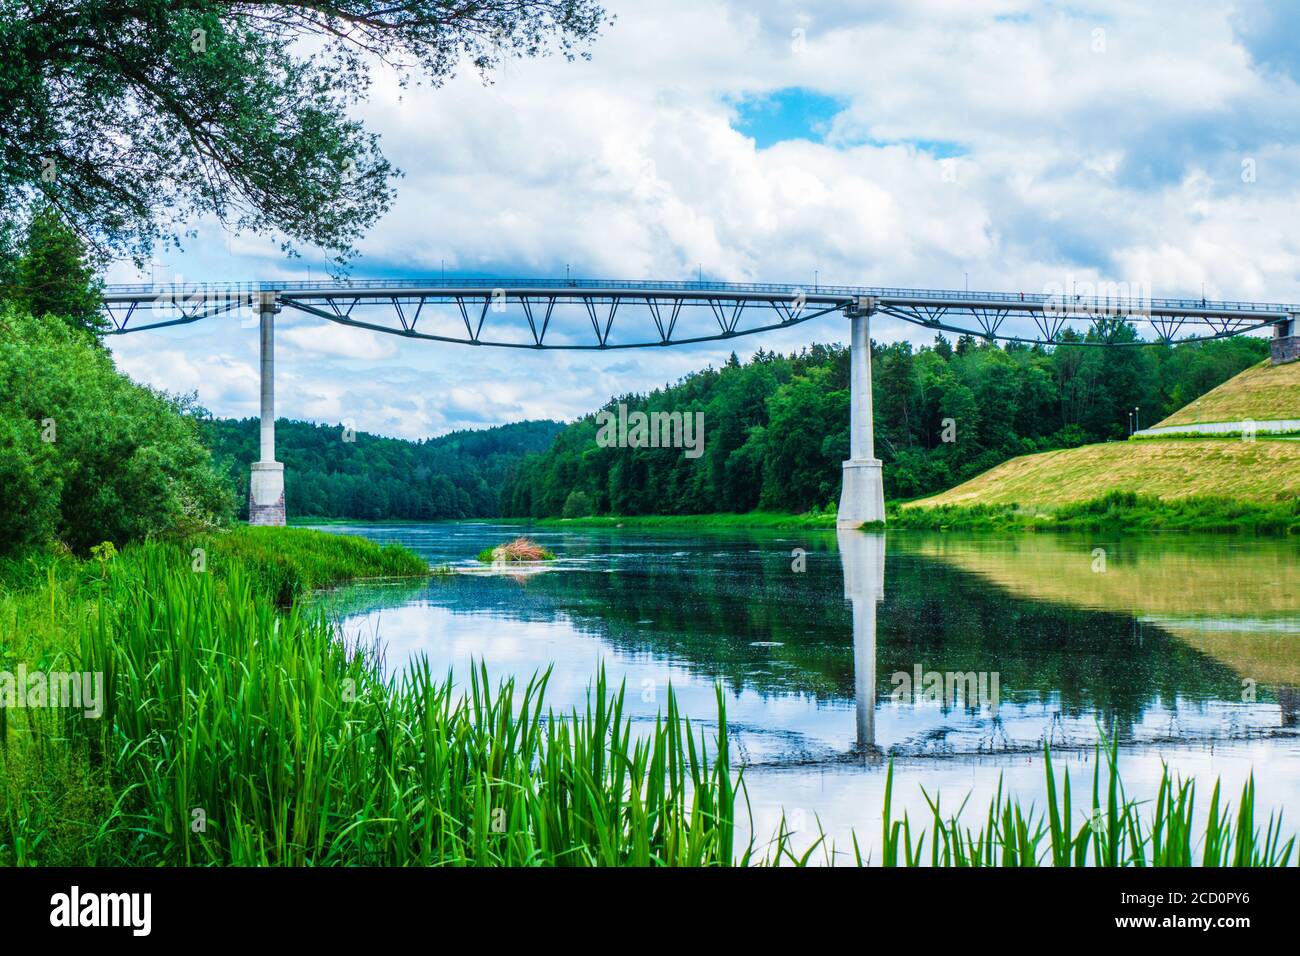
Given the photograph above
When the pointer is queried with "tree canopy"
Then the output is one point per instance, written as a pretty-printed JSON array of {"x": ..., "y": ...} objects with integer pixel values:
[
  {"x": 86, "y": 455},
  {"x": 47, "y": 273},
  {"x": 332, "y": 472},
  {"x": 132, "y": 118}
]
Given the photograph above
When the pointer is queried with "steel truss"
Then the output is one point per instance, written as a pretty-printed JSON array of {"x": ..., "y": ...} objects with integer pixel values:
[{"x": 490, "y": 308}]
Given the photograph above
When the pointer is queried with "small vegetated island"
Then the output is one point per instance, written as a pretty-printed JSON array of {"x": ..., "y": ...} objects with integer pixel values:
[{"x": 518, "y": 551}]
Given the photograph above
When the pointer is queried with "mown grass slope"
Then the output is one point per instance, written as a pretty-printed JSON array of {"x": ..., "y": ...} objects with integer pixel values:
[
  {"x": 1262, "y": 472},
  {"x": 1263, "y": 392},
  {"x": 1266, "y": 470}
]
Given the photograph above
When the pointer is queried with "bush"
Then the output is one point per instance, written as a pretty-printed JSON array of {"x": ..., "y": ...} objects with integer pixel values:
[
  {"x": 1113, "y": 511},
  {"x": 577, "y": 505},
  {"x": 31, "y": 486},
  {"x": 87, "y": 455}
]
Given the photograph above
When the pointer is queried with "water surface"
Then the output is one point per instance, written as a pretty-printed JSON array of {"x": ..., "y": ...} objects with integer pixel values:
[{"x": 1185, "y": 648}]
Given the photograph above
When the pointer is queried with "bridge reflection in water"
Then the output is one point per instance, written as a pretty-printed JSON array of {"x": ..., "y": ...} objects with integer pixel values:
[{"x": 862, "y": 556}]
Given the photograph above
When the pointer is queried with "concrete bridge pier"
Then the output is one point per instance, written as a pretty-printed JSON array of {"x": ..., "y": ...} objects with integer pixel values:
[
  {"x": 1286, "y": 339},
  {"x": 862, "y": 498},
  {"x": 266, "y": 478}
]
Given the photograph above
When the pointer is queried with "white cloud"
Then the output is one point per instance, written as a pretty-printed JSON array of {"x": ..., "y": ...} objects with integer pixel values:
[
  {"x": 329, "y": 338},
  {"x": 223, "y": 382}
]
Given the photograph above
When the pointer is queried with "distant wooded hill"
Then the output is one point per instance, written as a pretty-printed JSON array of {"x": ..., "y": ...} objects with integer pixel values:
[{"x": 459, "y": 475}]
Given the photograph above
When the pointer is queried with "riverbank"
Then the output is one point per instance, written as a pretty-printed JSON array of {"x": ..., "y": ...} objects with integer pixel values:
[
  {"x": 1115, "y": 511},
  {"x": 775, "y": 520},
  {"x": 1263, "y": 473},
  {"x": 215, "y": 724},
  {"x": 68, "y": 793},
  {"x": 230, "y": 730},
  {"x": 1224, "y": 462},
  {"x": 713, "y": 522}
]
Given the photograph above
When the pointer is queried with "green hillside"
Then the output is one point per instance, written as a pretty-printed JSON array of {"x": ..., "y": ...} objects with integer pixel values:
[
  {"x": 1264, "y": 471},
  {"x": 1264, "y": 392}
]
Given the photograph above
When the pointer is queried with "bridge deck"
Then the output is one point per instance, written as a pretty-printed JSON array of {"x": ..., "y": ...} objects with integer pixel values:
[{"x": 733, "y": 306}]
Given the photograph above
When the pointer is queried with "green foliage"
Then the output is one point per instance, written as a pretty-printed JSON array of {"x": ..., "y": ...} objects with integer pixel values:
[
  {"x": 368, "y": 477},
  {"x": 30, "y": 477},
  {"x": 134, "y": 117},
  {"x": 776, "y": 428},
  {"x": 578, "y": 504},
  {"x": 86, "y": 455},
  {"x": 805, "y": 442},
  {"x": 301, "y": 751},
  {"x": 104, "y": 553},
  {"x": 1194, "y": 513},
  {"x": 11, "y": 243},
  {"x": 52, "y": 277},
  {"x": 287, "y": 563}
]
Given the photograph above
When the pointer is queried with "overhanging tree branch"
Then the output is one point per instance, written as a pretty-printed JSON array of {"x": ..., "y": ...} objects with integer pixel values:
[{"x": 134, "y": 119}]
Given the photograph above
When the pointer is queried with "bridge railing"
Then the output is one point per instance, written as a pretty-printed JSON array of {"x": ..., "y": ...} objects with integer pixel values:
[{"x": 1012, "y": 300}]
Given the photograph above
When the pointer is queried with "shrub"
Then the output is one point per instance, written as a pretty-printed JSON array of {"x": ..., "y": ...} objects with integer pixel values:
[
  {"x": 577, "y": 505},
  {"x": 31, "y": 483}
]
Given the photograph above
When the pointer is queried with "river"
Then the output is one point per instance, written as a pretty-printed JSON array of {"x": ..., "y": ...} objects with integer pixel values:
[{"x": 952, "y": 656}]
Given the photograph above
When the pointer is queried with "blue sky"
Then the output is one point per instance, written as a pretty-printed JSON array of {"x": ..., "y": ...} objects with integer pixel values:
[
  {"x": 787, "y": 114},
  {"x": 1026, "y": 145}
]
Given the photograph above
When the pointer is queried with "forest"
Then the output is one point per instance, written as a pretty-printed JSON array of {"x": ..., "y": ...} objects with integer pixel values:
[
  {"x": 332, "y": 472},
  {"x": 776, "y": 427}
]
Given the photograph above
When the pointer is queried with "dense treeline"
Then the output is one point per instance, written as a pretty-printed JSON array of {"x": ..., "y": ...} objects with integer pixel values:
[
  {"x": 86, "y": 455},
  {"x": 333, "y": 473},
  {"x": 776, "y": 427}
]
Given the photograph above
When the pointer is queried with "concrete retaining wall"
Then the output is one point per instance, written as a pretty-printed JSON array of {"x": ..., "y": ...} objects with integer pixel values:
[{"x": 1226, "y": 428}]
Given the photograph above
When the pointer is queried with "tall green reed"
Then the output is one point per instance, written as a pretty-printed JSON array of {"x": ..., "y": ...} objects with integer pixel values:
[
  {"x": 1112, "y": 832},
  {"x": 250, "y": 736}
]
